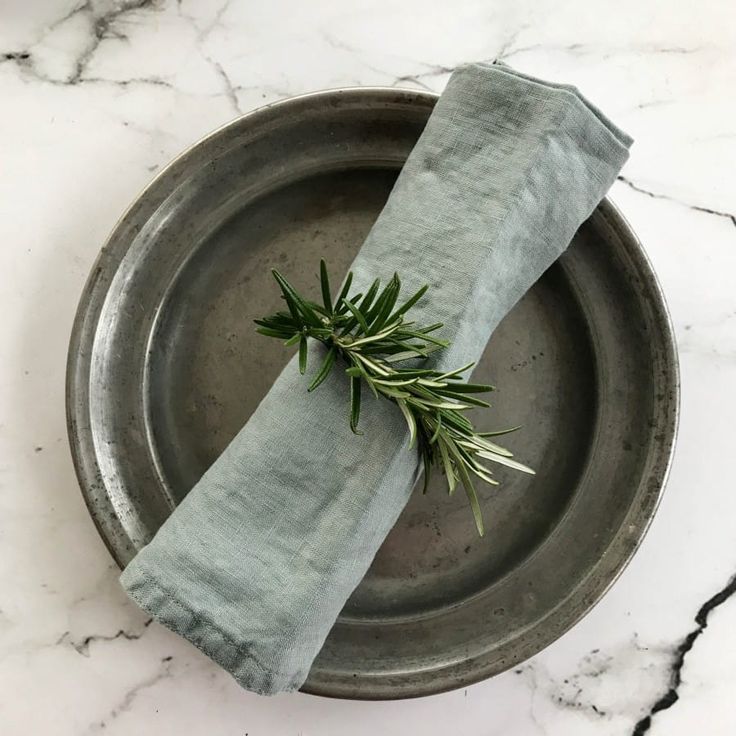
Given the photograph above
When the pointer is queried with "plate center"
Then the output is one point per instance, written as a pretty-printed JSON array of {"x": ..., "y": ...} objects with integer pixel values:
[{"x": 210, "y": 370}]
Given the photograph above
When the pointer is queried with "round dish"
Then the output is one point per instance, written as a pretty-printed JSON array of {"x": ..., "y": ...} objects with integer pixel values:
[{"x": 163, "y": 340}]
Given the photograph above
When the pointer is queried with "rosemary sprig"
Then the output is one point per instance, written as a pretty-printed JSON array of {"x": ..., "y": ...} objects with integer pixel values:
[{"x": 370, "y": 336}]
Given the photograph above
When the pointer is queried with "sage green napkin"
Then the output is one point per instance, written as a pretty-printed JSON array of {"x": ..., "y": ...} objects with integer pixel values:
[{"x": 256, "y": 563}]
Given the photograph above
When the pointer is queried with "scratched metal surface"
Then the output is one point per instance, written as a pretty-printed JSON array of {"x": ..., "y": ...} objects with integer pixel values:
[{"x": 163, "y": 341}]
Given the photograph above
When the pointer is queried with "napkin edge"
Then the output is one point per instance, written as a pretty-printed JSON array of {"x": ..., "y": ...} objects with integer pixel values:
[{"x": 142, "y": 586}]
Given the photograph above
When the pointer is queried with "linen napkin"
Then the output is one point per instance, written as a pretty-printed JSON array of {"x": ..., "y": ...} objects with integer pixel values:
[{"x": 256, "y": 563}]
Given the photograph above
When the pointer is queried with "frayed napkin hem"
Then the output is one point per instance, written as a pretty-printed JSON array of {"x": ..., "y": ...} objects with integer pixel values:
[{"x": 142, "y": 587}]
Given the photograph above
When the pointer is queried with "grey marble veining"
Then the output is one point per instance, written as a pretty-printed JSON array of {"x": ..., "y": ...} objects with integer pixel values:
[{"x": 99, "y": 95}]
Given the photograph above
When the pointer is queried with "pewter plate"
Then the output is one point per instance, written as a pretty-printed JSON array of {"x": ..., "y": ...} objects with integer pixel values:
[{"x": 164, "y": 368}]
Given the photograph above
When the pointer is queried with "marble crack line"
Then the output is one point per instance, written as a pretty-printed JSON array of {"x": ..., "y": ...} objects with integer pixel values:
[
  {"x": 583, "y": 49},
  {"x": 24, "y": 61},
  {"x": 82, "y": 646},
  {"x": 278, "y": 93},
  {"x": 653, "y": 103},
  {"x": 337, "y": 43},
  {"x": 228, "y": 88},
  {"x": 101, "y": 29},
  {"x": 413, "y": 79},
  {"x": 507, "y": 47},
  {"x": 695, "y": 207},
  {"x": 534, "y": 691},
  {"x": 439, "y": 70},
  {"x": 84, "y": 7},
  {"x": 130, "y": 696},
  {"x": 204, "y": 31},
  {"x": 216, "y": 19},
  {"x": 433, "y": 71},
  {"x": 155, "y": 81},
  {"x": 672, "y": 695}
]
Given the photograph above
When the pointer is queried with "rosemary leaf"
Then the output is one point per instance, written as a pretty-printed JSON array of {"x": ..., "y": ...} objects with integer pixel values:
[
  {"x": 302, "y": 354},
  {"x": 355, "y": 385},
  {"x": 370, "y": 295},
  {"x": 409, "y": 303},
  {"x": 499, "y": 432},
  {"x": 378, "y": 316},
  {"x": 427, "y": 464},
  {"x": 324, "y": 280},
  {"x": 411, "y": 422},
  {"x": 503, "y": 460},
  {"x": 471, "y": 388},
  {"x": 437, "y": 431},
  {"x": 448, "y": 466},
  {"x": 345, "y": 289},
  {"x": 357, "y": 314},
  {"x": 270, "y": 332},
  {"x": 370, "y": 335},
  {"x": 473, "y": 498},
  {"x": 325, "y": 369},
  {"x": 294, "y": 300}
]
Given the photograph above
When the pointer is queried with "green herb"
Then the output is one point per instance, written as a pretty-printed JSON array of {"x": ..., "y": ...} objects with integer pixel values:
[{"x": 369, "y": 334}]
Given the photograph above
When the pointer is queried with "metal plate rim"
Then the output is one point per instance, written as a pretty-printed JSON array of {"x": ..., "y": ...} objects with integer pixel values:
[{"x": 110, "y": 528}]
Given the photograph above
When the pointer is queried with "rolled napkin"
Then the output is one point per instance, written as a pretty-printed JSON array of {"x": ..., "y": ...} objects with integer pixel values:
[{"x": 256, "y": 563}]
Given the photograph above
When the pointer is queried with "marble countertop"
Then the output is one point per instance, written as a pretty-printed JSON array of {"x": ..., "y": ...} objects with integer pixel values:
[{"x": 98, "y": 95}]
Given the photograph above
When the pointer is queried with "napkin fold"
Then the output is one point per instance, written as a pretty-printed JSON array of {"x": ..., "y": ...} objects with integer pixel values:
[{"x": 256, "y": 563}]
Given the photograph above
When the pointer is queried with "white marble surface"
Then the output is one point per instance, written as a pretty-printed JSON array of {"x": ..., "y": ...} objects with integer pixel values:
[{"x": 96, "y": 96}]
